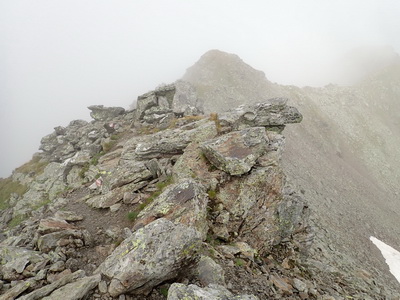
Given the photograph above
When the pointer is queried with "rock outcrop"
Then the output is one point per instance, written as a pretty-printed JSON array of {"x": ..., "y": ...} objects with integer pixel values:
[{"x": 166, "y": 203}]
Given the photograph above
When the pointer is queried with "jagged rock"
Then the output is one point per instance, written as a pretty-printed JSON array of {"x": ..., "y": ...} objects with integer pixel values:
[
  {"x": 236, "y": 152},
  {"x": 19, "y": 288},
  {"x": 282, "y": 284},
  {"x": 101, "y": 113},
  {"x": 179, "y": 291},
  {"x": 50, "y": 241},
  {"x": 123, "y": 175},
  {"x": 168, "y": 142},
  {"x": 53, "y": 225},
  {"x": 16, "y": 258},
  {"x": 68, "y": 216},
  {"x": 184, "y": 202},
  {"x": 151, "y": 255},
  {"x": 271, "y": 113},
  {"x": 209, "y": 272},
  {"x": 47, "y": 289},
  {"x": 185, "y": 101},
  {"x": 75, "y": 290},
  {"x": 258, "y": 211}
]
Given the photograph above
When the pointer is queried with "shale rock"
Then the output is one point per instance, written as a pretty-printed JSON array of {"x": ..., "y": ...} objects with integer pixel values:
[
  {"x": 179, "y": 291},
  {"x": 151, "y": 255},
  {"x": 184, "y": 202},
  {"x": 236, "y": 152},
  {"x": 101, "y": 113}
]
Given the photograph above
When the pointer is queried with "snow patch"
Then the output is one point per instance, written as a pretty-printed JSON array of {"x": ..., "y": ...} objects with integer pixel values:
[{"x": 391, "y": 255}]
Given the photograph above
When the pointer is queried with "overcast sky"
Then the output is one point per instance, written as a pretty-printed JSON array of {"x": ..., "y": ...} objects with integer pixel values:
[{"x": 57, "y": 57}]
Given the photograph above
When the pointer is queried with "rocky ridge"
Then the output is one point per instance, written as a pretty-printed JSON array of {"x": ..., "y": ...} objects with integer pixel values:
[{"x": 164, "y": 202}]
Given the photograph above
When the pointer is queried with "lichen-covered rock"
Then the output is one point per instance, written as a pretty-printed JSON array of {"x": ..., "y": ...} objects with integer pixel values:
[
  {"x": 184, "y": 202},
  {"x": 101, "y": 113},
  {"x": 179, "y": 291},
  {"x": 75, "y": 290},
  {"x": 236, "y": 152},
  {"x": 273, "y": 113},
  {"x": 16, "y": 258},
  {"x": 168, "y": 142},
  {"x": 151, "y": 255},
  {"x": 209, "y": 272}
]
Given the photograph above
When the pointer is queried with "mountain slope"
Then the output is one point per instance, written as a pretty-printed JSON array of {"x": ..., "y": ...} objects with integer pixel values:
[{"x": 344, "y": 154}]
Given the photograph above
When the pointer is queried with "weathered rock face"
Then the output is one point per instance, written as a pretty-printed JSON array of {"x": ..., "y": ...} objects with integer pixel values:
[
  {"x": 184, "y": 202},
  {"x": 101, "y": 113},
  {"x": 236, "y": 152},
  {"x": 150, "y": 199},
  {"x": 179, "y": 291},
  {"x": 161, "y": 106},
  {"x": 153, "y": 254}
]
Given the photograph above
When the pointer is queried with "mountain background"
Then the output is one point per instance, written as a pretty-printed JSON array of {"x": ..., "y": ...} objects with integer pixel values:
[
  {"x": 344, "y": 155},
  {"x": 57, "y": 57}
]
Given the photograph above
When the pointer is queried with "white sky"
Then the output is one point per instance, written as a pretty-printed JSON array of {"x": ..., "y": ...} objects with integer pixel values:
[{"x": 57, "y": 57}]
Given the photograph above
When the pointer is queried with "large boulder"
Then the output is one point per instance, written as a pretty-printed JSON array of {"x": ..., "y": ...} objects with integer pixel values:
[
  {"x": 184, "y": 202},
  {"x": 236, "y": 152},
  {"x": 101, "y": 113},
  {"x": 151, "y": 255},
  {"x": 273, "y": 113}
]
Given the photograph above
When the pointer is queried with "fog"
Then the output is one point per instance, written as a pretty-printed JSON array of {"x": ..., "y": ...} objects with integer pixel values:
[{"x": 58, "y": 57}]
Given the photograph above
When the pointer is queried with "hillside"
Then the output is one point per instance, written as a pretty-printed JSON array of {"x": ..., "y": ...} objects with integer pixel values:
[
  {"x": 344, "y": 153},
  {"x": 192, "y": 195}
]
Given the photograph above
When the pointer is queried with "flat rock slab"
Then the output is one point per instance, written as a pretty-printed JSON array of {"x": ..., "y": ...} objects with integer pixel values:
[
  {"x": 179, "y": 291},
  {"x": 151, "y": 255},
  {"x": 75, "y": 290},
  {"x": 236, "y": 152}
]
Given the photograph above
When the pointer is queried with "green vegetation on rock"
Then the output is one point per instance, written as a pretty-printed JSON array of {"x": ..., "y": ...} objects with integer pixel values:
[{"x": 8, "y": 187}]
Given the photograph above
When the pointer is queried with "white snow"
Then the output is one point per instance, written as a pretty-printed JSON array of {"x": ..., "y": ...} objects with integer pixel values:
[{"x": 391, "y": 255}]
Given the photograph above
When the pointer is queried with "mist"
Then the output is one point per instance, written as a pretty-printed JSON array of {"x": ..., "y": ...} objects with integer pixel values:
[{"x": 58, "y": 57}]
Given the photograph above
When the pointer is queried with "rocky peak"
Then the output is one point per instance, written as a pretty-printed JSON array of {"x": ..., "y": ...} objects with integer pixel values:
[{"x": 165, "y": 202}]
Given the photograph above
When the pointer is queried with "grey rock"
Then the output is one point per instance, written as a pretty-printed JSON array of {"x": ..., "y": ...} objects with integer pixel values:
[
  {"x": 103, "y": 287},
  {"x": 75, "y": 290},
  {"x": 47, "y": 289},
  {"x": 179, "y": 291},
  {"x": 16, "y": 290},
  {"x": 236, "y": 152},
  {"x": 16, "y": 258},
  {"x": 184, "y": 202},
  {"x": 50, "y": 241},
  {"x": 151, "y": 255},
  {"x": 69, "y": 216},
  {"x": 101, "y": 113},
  {"x": 209, "y": 272}
]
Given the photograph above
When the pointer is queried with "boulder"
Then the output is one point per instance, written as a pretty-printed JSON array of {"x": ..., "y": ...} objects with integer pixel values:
[
  {"x": 184, "y": 202},
  {"x": 179, "y": 291},
  {"x": 16, "y": 258},
  {"x": 236, "y": 152},
  {"x": 101, "y": 113},
  {"x": 151, "y": 255},
  {"x": 273, "y": 113}
]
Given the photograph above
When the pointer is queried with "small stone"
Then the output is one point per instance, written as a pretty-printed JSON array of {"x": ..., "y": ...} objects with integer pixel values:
[
  {"x": 115, "y": 207},
  {"x": 103, "y": 287},
  {"x": 281, "y": 284},
  {"x": 68, "y": 216},
  {"x": 57, "y": 267},
  {"x": 54, "y": 277},
  {"x": 299, "y": 285}
]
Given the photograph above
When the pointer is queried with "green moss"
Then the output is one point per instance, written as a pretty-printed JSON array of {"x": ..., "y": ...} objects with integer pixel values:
[
  {"x": 41, "y": 204},
  {"x": 132, "y": 215},
  {"x": 109, "y": 145},
  {"x": 164, "y": 291},
  {"x": 16, "y": 221},
  {"x": 35, "y": 165},
  {"x": 95, "y": 159},
  {"x": 160, "y": 188},
  {"x": 212, "y": 194},
  {"x": 8, "y": 187},
  {"x": 239, "y": 262}
]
